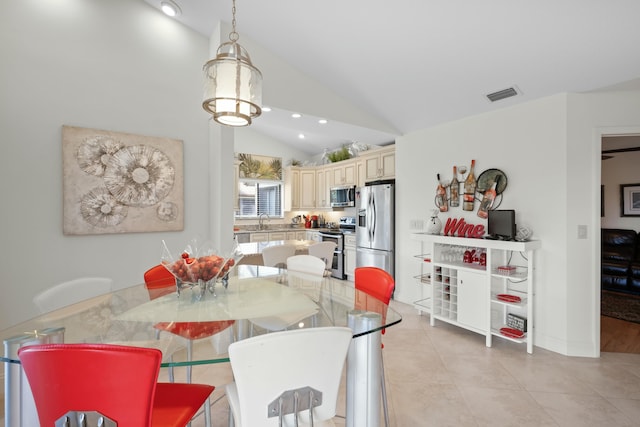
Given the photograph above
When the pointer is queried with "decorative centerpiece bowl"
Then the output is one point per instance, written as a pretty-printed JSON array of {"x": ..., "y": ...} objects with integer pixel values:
[{"x": 199, "y": 267}]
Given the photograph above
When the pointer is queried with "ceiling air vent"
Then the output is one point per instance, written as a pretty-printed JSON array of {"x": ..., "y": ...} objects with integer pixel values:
[{"x": 502, "y": 94}]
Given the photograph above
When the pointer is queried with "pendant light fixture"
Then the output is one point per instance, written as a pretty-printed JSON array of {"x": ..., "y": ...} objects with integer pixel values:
[{"x": 232, "y": 85}]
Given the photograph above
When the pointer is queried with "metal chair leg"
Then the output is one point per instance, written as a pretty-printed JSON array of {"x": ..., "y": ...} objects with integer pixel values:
[
  {"x": 384, "y": 392},
  {"x": 207, "y": 413},
  {"x": 189, "y": 358}
]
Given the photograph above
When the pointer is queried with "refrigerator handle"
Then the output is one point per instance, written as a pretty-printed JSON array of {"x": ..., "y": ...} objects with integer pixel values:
[
  {"x": 374, "y": 220},
  {"x": 369, "y": 216}
]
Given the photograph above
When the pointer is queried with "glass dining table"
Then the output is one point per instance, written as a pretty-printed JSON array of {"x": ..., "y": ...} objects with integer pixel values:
[{"x": 251, "y": 295}]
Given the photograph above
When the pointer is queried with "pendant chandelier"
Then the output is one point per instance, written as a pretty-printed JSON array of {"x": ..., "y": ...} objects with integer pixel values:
[{"x": 232, "y": 85}]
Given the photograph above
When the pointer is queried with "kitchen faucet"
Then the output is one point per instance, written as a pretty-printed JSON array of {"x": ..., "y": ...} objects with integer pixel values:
[{"x": 260, "y": 219}]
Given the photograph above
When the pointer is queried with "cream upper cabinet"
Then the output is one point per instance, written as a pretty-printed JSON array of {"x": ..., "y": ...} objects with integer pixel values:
[
  {"x": 360, "y": 172},
  {"x": 344, "y": 173},
  {"x": 292, "y": 189},
  {"x": 307, "y": 188},
  {"x": 380, "y": 164},
  {"x": 323, "y": 185}
]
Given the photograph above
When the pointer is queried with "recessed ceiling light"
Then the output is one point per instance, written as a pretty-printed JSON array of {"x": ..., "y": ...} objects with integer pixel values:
[
  {"x": 266, "y": 109},
  {"x": 170, "y": 8},
  {"x": 296, "y": 115},
  {"x": 301, "y": 135},
  {"x": 322, "y": 121}
]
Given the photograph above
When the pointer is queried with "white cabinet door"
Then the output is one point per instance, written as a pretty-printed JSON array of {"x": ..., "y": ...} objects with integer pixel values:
[
  {"x": 313, "y": 235},
  {"x": 307, "y": 189},
  {"x": 472, "y": 299},
  {"x": 380, "y": 165},
  {"x": 349, "y": 263},
  {"x": 278, "y": 235},
  {"x": 259, "y": 237},
  {"x": 291, "y": 189}
]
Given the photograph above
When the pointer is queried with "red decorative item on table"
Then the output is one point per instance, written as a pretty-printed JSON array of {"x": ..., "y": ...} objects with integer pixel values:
[{"x": 199, "y": 265}]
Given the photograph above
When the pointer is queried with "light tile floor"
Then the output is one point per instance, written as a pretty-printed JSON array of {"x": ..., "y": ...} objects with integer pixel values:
[{"x": 445, "y": 376}]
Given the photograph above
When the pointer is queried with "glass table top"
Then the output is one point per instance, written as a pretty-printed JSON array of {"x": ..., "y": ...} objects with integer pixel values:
[{"x": 255, "y": 299}]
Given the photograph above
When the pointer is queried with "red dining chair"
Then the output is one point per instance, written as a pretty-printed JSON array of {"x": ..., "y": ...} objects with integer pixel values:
[
  {"x": 379, "y": 285},
  {"x": 118, "y": 382},
  {"x": 159, "y": 281}
]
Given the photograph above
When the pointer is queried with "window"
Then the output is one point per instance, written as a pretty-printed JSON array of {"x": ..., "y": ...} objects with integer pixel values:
[
  {"x": 259, "y": 186},
  {"x": 259, "y": 196}
]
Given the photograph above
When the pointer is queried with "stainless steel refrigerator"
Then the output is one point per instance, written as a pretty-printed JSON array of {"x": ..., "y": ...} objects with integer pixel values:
[{"x": 375, "y": 228}]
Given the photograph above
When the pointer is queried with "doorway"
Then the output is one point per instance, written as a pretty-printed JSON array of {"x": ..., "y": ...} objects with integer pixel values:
[{"x": 619, "y": 153}]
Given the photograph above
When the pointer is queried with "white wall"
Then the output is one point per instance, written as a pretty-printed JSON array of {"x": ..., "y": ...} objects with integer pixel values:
[
  {"x": 622, "y": 168},
  {"x": 526, "y": 143},
  {"x": 118, "y": 65},
  {"x": 550, "y": 152},
  {"x": 590, "y": 116},
  {"x": 249, "y": 141}
]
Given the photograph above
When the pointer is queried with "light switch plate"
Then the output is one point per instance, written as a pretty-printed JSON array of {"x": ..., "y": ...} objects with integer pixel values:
[{"x": 582, "y": 231}]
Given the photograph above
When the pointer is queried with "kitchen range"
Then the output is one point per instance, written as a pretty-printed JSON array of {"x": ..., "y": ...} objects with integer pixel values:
[{"x": 346, "y": 225}]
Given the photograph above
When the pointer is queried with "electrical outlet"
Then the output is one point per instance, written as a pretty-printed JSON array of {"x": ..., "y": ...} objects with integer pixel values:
[{"x": 416, "y": 224}]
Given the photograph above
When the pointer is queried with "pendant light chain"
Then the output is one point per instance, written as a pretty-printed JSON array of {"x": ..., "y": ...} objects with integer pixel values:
[{"x": 233, "y": 35}]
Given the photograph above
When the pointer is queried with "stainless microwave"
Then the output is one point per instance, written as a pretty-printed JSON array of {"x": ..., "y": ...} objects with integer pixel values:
[{"x": 343, "y": 196}]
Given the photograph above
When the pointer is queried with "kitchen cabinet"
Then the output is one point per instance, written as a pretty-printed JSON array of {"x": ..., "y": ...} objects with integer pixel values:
[
  {"x": 483, "y": 298},
  {"x": 360, "y": 172},
  {"x": 296, "y": 235},
  {"x": 323, "y": 185},
  {"x": 313, "y": 235},
  {"x": 380, "y": 164},
  {"x": 350, "y": 256},
  {"x": 344, "y": 173},
  {"x": 259, "y": 237},
  {"x": 291, "y": 189},
  {"x": 277, "y": 235},
  {"x": 307, "y": 188}
]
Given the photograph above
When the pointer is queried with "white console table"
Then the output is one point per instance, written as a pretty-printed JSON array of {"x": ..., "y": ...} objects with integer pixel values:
[{"x": 466, "y": 294}]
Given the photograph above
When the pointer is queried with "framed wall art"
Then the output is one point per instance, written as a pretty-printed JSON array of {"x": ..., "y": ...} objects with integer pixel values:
[
  {"x": 629, "y": 199},
  {"x": 121, "y": 183}
]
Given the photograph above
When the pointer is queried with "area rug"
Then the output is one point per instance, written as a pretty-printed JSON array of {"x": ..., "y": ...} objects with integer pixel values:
[{"x": 624, "y": 307}]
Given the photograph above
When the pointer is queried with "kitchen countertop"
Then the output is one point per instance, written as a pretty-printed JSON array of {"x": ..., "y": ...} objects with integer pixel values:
[
  {"x": 282, "y": 229},
  {"x": 253, "y": 248},
  {"x": 272, "y": 229}
]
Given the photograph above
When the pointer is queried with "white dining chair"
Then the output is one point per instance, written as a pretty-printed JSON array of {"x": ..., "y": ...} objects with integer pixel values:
[
  {"x": 71, "y": 292},
  {"x": 309, "y": 265},
  {"x": 276, "y": 256},
  {"x": 324, "y": 251},
  {"x": 275, "y": 366},
  {"x": 300, "y": 269}
]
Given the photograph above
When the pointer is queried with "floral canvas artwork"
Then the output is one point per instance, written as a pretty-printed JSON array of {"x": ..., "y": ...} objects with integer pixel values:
[{"x": 121, "y": 183}]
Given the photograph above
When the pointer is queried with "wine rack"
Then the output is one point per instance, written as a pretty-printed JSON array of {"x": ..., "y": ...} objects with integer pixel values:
[{"x": 480, "y": 285}]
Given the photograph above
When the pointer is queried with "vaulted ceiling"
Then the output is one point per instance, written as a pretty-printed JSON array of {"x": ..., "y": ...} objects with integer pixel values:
[{"x": 412, "y": 64}]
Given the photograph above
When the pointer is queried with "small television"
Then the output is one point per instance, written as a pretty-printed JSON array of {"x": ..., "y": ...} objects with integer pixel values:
[{"x": 502, "y": 224}]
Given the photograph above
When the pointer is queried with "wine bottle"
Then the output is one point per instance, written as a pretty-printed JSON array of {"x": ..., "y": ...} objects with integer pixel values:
[
  {"x": 441, "y": 196},
  {"x": 487, "y": 200},
  {"x": 454, "y": 189},
  {"x": 469, "y": 189}
]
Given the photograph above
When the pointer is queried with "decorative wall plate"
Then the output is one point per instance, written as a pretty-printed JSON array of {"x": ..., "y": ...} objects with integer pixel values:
[{"x": 486, "y": 179}]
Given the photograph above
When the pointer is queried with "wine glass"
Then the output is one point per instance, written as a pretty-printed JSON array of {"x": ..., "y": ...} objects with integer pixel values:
[{"x": 462, "y": 169}]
